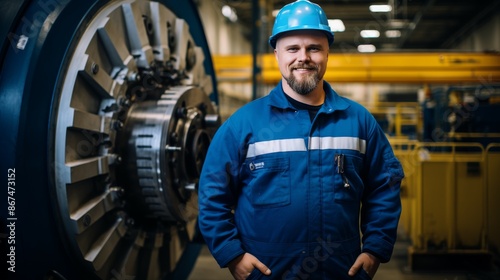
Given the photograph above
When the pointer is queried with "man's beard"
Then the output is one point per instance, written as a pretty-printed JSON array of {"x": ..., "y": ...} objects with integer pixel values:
[{"x": 308, "y": 83}]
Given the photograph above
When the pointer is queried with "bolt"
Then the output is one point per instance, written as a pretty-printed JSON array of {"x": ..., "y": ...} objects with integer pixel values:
[
  {"x": 94, "y": 68},
  {"x": 181, "y": 112},
  {"x": 173, "y": 135},
  {"x": 124, "y": 102},
  {"x": 117, "y": 125},
  {"x": 139, "y": 94},
  {"x": 114, "y": 159},
  {"x": 86, "y": 220},
  {"x": 133, "y": 77},
  {"x": 203, "y": 107}
]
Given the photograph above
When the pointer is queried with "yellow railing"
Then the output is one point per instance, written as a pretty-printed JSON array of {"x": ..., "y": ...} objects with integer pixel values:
[
  {"x": 450, "y": 195},
  {"x": 493, "y": 196},
  {"x": 404, "y": 150},
  {"x": 398, "y": 115}
]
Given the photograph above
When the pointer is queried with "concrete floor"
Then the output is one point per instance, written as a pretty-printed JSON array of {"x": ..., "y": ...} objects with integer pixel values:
[{"x": 207, "y": 269}]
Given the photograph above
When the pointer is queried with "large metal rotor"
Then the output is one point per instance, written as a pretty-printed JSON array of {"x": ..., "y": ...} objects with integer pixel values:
[
  {"x": 133, "y": 123},
  {"x": 164, "y": 143}
]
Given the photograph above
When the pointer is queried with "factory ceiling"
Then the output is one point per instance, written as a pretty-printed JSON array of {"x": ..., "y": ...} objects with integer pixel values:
[{"x": 415, "y": 24}]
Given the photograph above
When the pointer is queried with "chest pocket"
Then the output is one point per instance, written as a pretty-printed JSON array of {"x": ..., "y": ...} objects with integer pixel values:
[
  {"x": 269, "y": 182},
  {"x": 352, "y": 170}
]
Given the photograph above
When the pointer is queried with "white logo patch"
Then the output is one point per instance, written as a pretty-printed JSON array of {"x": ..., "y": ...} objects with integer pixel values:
[{"x": 257, "y": 165}]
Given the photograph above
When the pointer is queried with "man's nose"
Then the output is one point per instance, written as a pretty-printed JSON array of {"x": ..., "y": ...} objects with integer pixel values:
[{"x": 303, "y": 55}]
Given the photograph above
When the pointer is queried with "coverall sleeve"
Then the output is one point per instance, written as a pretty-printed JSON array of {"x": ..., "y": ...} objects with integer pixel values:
[
  {"x": 217, "y": 196},
  {"x": 381, "y": 205}
]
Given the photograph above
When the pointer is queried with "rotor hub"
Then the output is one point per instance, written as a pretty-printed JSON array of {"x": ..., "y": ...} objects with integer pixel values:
[{"x": 166, "y": 143}]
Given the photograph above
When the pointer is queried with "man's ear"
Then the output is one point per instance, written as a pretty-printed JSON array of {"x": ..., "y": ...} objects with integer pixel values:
[{"x": 276, "y": 54}]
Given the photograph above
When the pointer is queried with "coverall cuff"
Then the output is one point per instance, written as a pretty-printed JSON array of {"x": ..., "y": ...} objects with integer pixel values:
[
  {"x": 228, "y": 253},
  {"x": 373, "y": 253},
  {"x": 379, "y": 248}
]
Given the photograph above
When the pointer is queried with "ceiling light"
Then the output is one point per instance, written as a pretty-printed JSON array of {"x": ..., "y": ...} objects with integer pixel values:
[
  {"x": 369, "y": 33},
  {"x": 380, "y": 8},
  {"x": 397, "y": 23},
  {"x": 229, "y": 13},
  {"x": 368, "y": 48},
  {"x": 336, "y": 25},
  {"x": 226, "y": 11},
  {"x": 275, "y": 12},
  {"x": 392, "y": 33}
]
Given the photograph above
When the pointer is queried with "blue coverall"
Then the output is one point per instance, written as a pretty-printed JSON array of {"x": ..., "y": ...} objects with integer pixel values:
[{"x": 305, "y": 197}]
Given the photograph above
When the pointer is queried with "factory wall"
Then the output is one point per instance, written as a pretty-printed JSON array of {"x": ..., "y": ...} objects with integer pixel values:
[
  {"x": 224, "y": 36},
  {"x": 485, "y": 38}
]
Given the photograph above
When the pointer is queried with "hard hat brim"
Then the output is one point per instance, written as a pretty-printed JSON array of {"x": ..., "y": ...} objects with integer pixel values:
[{"x": 273, "y": 39}]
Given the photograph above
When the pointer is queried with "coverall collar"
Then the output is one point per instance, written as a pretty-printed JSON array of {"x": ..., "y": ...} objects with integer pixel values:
[{"x": 333, "y": 101}]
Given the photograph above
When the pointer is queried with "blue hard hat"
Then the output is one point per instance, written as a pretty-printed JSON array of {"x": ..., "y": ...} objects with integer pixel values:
[{"x": 300, "y": 15}]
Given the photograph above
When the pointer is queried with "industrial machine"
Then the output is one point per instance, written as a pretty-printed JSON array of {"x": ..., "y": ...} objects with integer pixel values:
[
  {"x": 107, "y": 108},
  {"x": 463, "y": 114}
]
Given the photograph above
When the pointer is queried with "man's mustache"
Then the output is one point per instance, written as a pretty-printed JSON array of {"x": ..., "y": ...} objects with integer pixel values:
[{"x": 304, "y": 66}]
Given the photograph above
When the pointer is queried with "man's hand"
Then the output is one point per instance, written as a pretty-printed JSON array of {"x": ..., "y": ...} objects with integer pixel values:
[
  {"x": 244, "y": 264},
  {"x": 365, "y": 261}
]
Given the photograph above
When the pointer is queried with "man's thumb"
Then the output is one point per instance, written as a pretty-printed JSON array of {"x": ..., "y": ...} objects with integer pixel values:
[{"x": 263, "y": 268}]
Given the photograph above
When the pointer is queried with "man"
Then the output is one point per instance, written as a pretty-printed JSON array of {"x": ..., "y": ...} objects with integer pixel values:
[{"x": 291, "y": 179}]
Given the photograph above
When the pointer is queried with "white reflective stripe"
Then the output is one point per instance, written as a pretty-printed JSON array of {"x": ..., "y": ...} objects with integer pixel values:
[
  {"x": 328, "y": 143},
  {"x": 276, "y": 146}
]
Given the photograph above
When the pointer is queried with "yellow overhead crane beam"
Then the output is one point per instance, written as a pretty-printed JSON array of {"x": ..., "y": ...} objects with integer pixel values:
[{"x": 455, "y": 68}]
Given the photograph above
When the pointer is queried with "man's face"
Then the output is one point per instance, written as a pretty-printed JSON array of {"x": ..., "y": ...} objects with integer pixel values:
[{"x": 302, "y": 57}]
